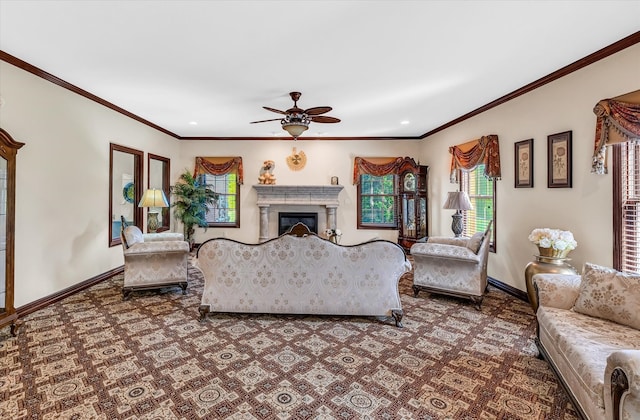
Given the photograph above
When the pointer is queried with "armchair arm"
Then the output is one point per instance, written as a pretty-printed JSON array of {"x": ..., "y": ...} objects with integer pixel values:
[
  {"x": 621, "y": 377},
  {"x": 447, "y": 240},
  {"x": 164, "y": 236},
  {"x": 443, "y": 251},
  {"x": 557, "y": 290},
  {"x": 156, "y": 247}
]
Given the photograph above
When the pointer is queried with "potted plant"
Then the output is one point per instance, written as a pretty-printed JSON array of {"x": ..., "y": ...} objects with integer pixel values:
[{"x": 191, "y": 203}]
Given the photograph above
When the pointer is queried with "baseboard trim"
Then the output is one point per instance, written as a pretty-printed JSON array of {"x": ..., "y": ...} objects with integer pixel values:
[
  {"x": 56, "y": 297},
  {"x": 517, "y": 293}
]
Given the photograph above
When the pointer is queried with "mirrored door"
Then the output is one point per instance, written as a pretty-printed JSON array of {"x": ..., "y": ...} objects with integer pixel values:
[{"x": 125, "y": 189}]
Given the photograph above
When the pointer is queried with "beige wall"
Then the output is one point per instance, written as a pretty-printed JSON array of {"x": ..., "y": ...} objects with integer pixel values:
[
  {"x": 586, "y": 209},
  {"x": 62, "y": 195},
  {"x": 62, "y": 177},
  {"x": 324, "y": 160}
]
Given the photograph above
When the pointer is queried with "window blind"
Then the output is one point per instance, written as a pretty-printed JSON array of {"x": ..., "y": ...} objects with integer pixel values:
[{"x": 627, "y": 222}]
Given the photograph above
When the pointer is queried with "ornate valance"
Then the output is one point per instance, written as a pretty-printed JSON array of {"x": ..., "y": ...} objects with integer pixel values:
[
  {"x": 618, "y": 121},
  {"x": 377, "y": 166},
  {"x": 219, "y": 166},
  {"x": 468, "y": 155}
]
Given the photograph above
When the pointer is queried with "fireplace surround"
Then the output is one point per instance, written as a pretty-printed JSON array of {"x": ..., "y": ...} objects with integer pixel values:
[{"x": 291, "y": 198}]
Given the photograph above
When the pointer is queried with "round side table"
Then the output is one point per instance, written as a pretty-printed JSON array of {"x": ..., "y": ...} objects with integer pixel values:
[{"x": 542, "y": 264}]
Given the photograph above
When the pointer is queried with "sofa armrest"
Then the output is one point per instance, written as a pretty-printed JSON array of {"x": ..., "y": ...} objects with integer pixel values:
[
  {"x": 622, "y": 377},
  {"x": 557, "y": 290},
  {"x": 443, "y": 251},
  {"x": 155, "y": 247},
  {"x": 447, "y": 240}
]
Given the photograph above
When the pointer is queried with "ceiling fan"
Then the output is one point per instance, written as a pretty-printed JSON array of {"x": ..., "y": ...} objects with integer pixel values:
[{"x": 296, "y": 120}]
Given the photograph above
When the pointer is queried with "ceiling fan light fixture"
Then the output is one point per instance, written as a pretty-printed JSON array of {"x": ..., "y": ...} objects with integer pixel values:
[{"x": 295, "y": 129}]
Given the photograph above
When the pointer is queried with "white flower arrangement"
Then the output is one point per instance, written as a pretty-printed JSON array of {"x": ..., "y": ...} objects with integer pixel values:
[{"x": 560, "y": 240}]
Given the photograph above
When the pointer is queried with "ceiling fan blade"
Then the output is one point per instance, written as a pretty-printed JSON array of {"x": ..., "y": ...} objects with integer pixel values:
[
  {"x": 317, "y": 110},
  {"x": 277, "y": 111},
  {"x": 324, "y": 119},
  {"x": 273, "y": 119}
]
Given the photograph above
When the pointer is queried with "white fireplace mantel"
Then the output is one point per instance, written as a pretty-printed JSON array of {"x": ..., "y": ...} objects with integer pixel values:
[{"x": 296, "y": 195}]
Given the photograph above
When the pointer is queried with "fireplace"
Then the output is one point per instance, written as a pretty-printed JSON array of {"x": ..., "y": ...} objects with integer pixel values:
[{"x": 286, "y": 220}]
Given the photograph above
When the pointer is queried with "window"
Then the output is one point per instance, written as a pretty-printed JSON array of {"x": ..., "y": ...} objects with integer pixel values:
[
  {"x": 626, "y": 213},
  {"x": 377, "y": 202},
  {"x": 482, "y": 193},
  {"x": 226, "y": 211}
]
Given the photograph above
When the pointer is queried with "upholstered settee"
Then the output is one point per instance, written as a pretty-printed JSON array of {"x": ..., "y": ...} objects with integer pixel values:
[
  {"x": 452, "y": 266},
  {"x": 154, "y": 260},
  {"x": 301, "y": 273},
  {"x": 589, "y": 332}
]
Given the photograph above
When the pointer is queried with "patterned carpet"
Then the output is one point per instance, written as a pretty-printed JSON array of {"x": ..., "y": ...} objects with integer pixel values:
[{"x": 94, "y": 356}]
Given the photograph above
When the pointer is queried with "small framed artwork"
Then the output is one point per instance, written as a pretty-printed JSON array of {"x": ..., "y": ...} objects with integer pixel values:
[
  {"x": 334, "y": 180},
  {"x": 559, "y": 160},
  {"x": 524, "y": 164}
]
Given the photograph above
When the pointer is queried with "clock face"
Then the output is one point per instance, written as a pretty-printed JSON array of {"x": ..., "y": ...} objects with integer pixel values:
[{"x": 410, "y": 182}]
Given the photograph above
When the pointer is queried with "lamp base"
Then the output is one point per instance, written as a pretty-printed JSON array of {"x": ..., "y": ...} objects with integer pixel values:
[
  {"x": 456, "y": 224},
  {"x": 152, "y": 222}
]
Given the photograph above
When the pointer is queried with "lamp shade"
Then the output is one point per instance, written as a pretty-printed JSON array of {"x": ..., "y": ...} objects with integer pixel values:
[
  {"x": 457, "y": 200},
  {"x": 154, "y": 198}
]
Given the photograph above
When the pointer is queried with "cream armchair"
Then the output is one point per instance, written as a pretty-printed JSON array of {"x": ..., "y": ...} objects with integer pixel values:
[
  {"x": 153, "y": 261},
  {"x": 452, "y": 266}
]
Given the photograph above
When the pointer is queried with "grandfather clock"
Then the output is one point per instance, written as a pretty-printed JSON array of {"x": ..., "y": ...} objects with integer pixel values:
[{"x": 413, "y": 223}]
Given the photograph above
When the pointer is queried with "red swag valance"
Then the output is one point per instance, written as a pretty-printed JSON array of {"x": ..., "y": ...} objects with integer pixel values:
[
  {"x": 377, "y": 166},
  {"x": 219, "y": 166},
  {"x": 618, "y": 121},
  {"x": 468, "y": 155}
]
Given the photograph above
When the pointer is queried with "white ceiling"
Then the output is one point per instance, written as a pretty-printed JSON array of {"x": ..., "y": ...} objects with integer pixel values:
[{"x": 377, "y": 63}]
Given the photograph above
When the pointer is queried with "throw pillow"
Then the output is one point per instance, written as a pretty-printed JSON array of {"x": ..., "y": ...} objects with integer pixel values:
[
  {"x": 475, "y": 241},
  {"x": 609, "y": 294},
  {"x": 133, "y": 235}
]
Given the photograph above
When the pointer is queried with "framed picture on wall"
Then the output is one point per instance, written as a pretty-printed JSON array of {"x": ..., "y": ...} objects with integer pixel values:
[
  {"x": 559, "y": 160},
  {"x": 524, "y": 164}
]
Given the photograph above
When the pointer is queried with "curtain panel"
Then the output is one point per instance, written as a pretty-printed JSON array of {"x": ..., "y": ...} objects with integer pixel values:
[
  {"x": 618, "y": 121},
  {"x": 468, "y": 155},
  {"x": 375, "y": 166},
  {"x": 219, "y": 166}
]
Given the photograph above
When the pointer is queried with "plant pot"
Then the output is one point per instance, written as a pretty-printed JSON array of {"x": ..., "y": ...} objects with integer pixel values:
[{"x": 553, "y": 253}]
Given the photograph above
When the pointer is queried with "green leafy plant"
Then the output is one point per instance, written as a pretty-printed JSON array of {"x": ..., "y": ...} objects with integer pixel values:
[{"x": 191, "y": 203}]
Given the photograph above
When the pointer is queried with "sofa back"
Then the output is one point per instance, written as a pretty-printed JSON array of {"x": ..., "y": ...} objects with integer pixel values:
[{"x": 301, "y": 275}]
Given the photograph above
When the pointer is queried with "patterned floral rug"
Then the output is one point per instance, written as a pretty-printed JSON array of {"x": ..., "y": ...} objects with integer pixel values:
[{"x": 95, "y": 356}]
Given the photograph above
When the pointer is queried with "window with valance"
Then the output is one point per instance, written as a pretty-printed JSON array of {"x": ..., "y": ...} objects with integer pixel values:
[
  {"x": 618, "y": 125},
  {"x": 376, "y": 178},
  {"x": 475, "y": 166},
  {"x": 224, "y": 175}
]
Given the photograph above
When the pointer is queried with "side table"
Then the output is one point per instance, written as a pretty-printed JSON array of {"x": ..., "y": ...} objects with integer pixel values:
[{"x": 542, "y": 264}]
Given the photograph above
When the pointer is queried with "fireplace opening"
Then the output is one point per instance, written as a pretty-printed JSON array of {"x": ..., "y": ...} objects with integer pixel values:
[{"x": 287, "y": 220}]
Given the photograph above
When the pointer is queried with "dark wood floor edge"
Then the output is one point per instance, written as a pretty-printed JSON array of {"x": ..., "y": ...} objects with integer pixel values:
[
  {"x": 508, "y": 289},
  {"x": 56, "y": 297}
]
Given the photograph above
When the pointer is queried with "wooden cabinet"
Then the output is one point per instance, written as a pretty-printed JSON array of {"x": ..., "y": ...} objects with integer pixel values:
[
  {"x": 8, "y": 150},
  {"x": 412, "y": 214}
]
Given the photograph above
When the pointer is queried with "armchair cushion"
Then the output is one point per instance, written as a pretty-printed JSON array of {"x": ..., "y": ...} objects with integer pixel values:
[
  {"x": 609, "y": 294},
  {"x": 156, "y": 247},
  {"x": 132, "y": 235},
  {"x": 475, "y": 241}
]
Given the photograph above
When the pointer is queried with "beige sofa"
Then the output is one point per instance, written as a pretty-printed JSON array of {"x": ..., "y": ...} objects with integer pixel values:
[
  {"x": 301, "y": 273},
  {"x": 588, "y": 332},
  {"x": 452, "y": 266}
]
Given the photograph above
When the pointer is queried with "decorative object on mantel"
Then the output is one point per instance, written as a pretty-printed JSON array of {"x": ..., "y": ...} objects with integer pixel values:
[
  {"x": 334, "y": 180},
  {"x": 457, "y": 200},
  {"x": 296, "y": 120},
  {"x": 297, "y": 160},
  {"x": 153, "y": 198},
  {"x": 333, "y": 235},
  {"x": 553, "y": 246},
  {"x": 266, "y": 173}
]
